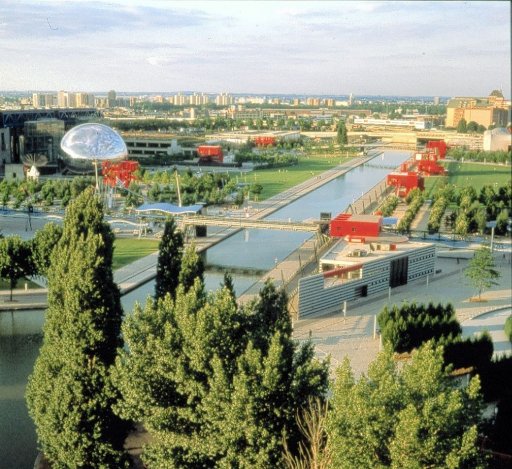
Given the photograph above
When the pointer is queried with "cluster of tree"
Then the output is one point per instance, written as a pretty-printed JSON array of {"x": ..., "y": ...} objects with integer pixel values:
[
  {"x": 389, "y": 205},
  {"x": 209, "y": 124},
  {"x": 215, "y": 384},
  {"x": 271, "y": 158},
  {"x": 403, "y": 330},
  {"x": 408, "y": 416},
  {"x": 45, "y": 194},
  {"x": 474, "y": 211},
  {"x": 497, "y": 203},
  {"x": 19, "y": 258},
  {"x": 414, "y": 200},
  {"x": 387, "y": 108},
  {"x": 459, "y": 154},
  {"x": 441, "y": 200},
  {"x": 472, "y": 127},
  {"x": 408, "y": 326},
  {"x": 210, "y": 188}
]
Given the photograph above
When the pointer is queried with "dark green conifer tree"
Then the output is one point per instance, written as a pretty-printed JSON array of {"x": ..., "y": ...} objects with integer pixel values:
[
  {"x": 169, "y": 261},
  {"x": 69, "y": 394}
]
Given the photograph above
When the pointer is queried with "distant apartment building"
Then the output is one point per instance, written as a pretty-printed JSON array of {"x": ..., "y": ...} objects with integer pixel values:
[
  {"x": 224, "y": 99},
  {"x": 85, "y": 100},
  {"x": 392, "y": 123},
  {"x": 313, "y": 102},
  {"x": 198, "y": 99},
  {"x": 111, "y": 97},
  {"x": 492, "y": 110},
  {"x": 44, "y": 100}
]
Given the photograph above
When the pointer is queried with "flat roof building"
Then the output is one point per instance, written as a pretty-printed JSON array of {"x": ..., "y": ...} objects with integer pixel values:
[
  {"x": 352, "y": 270},
  {"x": 492, "y": 110}
]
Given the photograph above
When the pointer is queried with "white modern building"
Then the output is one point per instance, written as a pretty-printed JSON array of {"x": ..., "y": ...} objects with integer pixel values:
[{"x": 352, "y": 270}]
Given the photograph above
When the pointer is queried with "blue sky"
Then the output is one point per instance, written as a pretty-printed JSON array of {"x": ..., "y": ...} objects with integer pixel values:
[{"x": 398, "y": 48}]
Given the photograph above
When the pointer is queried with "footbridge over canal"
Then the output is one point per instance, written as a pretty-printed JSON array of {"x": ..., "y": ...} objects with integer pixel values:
[{"x": 312, "y": 226}]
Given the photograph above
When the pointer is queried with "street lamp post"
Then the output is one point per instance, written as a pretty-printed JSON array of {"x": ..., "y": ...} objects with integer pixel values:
[{"x": 491, "y": 224}]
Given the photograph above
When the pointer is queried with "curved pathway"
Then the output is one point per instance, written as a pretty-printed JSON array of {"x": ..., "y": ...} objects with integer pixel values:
[{"x": 494, "y": 323}]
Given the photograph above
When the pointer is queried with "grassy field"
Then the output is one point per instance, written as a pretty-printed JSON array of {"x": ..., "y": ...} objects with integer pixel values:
[
  {"x": 127, "y": 250},
  {"x": 275, "y": 180},
  {"x": 4, "y": 284},
  {"x": 469, "y": 174}
]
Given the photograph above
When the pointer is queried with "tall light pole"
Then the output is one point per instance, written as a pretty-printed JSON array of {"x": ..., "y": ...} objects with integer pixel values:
[{"x": 491, "y": 224}]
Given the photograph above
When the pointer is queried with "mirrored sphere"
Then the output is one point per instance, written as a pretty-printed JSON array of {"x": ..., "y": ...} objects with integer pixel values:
[{"x": 86, "y": 143}]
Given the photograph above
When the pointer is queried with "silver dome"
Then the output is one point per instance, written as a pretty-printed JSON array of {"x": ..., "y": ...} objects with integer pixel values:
[{"x": 87, "y": 143}]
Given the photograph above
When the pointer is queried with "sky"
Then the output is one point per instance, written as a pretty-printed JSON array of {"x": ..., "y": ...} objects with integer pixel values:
[{"x": 265, "y": 47}]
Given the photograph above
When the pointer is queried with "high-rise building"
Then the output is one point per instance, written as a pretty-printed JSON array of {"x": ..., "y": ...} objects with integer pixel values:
[
  {"x": 62, "y": 99},
  {"x": 111, "y": 98},
  {"x": 44, "y": 100},
  {"x": 224, "y": 99},
  {"x": 84, "y": 100},
  {"x": 436, "y": 100}
]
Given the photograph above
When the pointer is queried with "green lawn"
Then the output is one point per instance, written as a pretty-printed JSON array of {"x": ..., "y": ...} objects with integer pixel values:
[
  {"x": 276, "y": 180},
  {"x": 4, "y": 284},
  {"x": 469, "y": 174},
  {"x": 127, "y": 250}
]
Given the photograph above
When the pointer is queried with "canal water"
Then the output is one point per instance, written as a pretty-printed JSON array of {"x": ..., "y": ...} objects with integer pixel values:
[{"x": 20, "y": 331}]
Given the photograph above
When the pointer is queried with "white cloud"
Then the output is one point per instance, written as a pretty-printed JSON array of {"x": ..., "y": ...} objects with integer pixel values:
[{"x": 302, "y": 46}]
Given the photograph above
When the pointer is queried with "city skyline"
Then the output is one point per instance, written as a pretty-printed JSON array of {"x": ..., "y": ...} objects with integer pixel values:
[{"x": 318, "y": 48}]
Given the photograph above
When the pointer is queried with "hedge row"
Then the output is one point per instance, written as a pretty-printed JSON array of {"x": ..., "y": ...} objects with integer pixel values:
[
  {"x": 436, "y": 214},
  {"x": 389, "y": 205},
  {"x": 407, "y": 327},
  {"x": 415, "y": 204}
]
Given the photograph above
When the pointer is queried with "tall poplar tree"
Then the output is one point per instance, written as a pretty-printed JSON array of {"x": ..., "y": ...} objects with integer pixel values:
[
  {"x": 341, "y": 133},
  {"x": 169, "y": 260},
  {"x": 69, "y": 394},
  {"x": 192, "y": 267}
]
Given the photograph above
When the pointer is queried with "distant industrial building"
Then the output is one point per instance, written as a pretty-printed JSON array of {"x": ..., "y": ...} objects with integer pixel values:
[
  {"x": 154, "y": 145},
  {"x": 12, "y": 126},
  {"x": 258, "y": 137},
  {"x": 41, "y": 139},
  {"x": 499, "y": 139},
  {"x": 393, "y": 123},
  {"x": 492, "y": 110}
]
